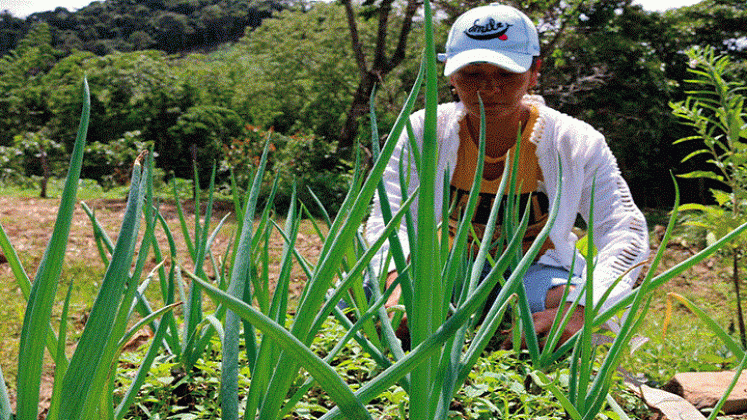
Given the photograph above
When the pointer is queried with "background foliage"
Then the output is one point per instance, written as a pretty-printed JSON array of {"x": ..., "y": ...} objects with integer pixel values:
[{"x": 190, "y": 75}]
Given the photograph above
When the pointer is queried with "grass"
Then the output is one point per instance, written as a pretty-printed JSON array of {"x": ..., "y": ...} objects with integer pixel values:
[{"x": 688, "y": 344}]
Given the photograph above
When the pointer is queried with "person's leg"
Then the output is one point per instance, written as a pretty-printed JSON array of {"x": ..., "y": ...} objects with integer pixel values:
[{"x": 545, "y": 285}]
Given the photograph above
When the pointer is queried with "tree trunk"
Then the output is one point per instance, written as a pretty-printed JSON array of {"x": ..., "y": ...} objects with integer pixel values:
[
  {"x": 358, "y": 108},
  {"x": 46, "y": 174},
  {"x": 380, "y": 67}
]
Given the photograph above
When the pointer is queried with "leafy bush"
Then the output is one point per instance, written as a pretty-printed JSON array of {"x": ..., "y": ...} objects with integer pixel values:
[
  {"x": 306, "y": 160},
  {"x": 111, "y": 164},
  {"x": 717, "y": 115},
  {"x": 34, "y": 147},
  {"x": 199, "y": 135},
  {"x": 11, "y": 166}
]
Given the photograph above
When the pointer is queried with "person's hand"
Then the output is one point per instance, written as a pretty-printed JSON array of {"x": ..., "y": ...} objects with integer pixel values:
[{"x": 543, "y": 323}]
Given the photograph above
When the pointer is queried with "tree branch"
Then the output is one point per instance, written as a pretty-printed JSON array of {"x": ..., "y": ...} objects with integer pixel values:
[
  {"x": 399, "y": 53},
  {"x": 380, "y": 53},
  {"x": 360, "y": 57}
]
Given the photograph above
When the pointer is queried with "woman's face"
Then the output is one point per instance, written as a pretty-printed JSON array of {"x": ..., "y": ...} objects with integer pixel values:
[{"x": 501, "y": 90}]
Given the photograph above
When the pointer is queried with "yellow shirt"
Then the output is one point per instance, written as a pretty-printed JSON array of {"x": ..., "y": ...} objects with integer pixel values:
[{"x": 528, "y": 177}]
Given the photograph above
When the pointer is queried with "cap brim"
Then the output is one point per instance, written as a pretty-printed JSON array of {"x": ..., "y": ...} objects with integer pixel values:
[{"x": 513, "y": 62}]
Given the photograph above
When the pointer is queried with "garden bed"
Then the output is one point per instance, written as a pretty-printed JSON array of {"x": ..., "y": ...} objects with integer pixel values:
[{"x": 28, "y": 223}]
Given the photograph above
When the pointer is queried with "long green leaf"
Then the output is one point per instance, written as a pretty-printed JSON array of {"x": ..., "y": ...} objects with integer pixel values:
[
  {"x": 335, "y": 386},
  {"x": 351, "y": 332},
  {"x": 264, "y": 364},
  {"x": 99, "y": 400},
  {"x": 168, "y": 284},
  {"x": 24, "y": 284},
  {"x": 662, "y": 278},
  {"x": 5, "y": 409},
  {"x": 585, "y": 361},
  {"x": 194, "y": 314},
  {"x": 542, "y": 380},
  {"x": 145, "y": 363},
  {"x": 592, "y": 401},
  {"x": 432, "y": 344},
  {"x": 737, "y": 374},
  {"x": 41, "y": 298},
  {"x": 87, "y": 359},
  {"x": 54, "y": 405},
  {"x": 722, "y": 335},
  {"x": 427, "y": 313},
  {"x": 342, "y": 233},
  {"x": 99, "y": 234},
  {"x": 240, "y": 279}
]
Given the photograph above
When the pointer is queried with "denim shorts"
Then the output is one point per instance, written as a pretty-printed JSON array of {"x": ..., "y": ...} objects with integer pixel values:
[{"x": 538, "y": 280}]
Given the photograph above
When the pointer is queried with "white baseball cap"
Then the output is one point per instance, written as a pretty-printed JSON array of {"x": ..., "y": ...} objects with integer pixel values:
[{"x": 495, "y": 34}]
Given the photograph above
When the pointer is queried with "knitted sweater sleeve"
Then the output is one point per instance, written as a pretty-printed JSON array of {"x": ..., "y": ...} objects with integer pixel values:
[
  {"x": 401, "y": 168},
  {"x": 401, "y": 162},
  {"x": 619, "y": 227}
]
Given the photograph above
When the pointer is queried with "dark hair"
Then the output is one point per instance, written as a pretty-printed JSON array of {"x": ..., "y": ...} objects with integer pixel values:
[{"x": 535, "y": 62}]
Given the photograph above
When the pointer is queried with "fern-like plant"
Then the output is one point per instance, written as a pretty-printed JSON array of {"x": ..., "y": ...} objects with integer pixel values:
[{"x": 716, "y": 113}]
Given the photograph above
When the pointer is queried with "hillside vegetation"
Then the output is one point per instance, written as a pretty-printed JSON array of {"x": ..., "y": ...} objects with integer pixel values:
[{"x": 206, "y": 82}]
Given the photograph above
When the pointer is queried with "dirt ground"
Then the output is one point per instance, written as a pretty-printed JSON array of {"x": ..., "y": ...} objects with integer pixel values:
[{"x": 29, "y": 222}]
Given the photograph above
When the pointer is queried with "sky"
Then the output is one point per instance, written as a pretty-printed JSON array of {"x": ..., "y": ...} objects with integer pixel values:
[{"x": 21, "y": 8}]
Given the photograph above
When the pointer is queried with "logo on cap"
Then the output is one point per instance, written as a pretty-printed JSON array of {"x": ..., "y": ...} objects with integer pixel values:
[{"x": 489, "y": 30}]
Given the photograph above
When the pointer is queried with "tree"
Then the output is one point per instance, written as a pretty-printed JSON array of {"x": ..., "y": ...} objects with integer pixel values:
[
  {"x": 200, "y": 135},
  {"x": 375, "y": 66},
  {"x": 172, "y": 31},
  {"x": 12, "y": 30},
  {"x": 22, "y": 93},
  {"x": 605, "y": 68},
  {"x": 721, "y": 24},
  {"x": 717, "y": 115},
  {"x": 303, "y": 83},
  {"x": 65, "y": 101}
]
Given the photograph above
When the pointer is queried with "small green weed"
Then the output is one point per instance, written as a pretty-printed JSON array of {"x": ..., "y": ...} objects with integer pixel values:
[{"x": 495, "y": 388}]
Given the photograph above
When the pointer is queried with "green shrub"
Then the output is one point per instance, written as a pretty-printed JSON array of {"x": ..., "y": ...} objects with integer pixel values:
[
  {"x": 306, "y": 160},
  {"x": 199, "y": 136},
  {"x": 11, "y": 167},
  {"x": 29, "y": 148},
  {"x": 111, "y": 164}
]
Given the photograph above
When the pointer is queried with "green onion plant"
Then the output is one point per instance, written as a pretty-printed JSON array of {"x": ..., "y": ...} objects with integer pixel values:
[
  {"x": 83, "y": 385},
  {"x": 439, "y": 319},
  {"x": 589, "y": 385},
  {"x": 449, "y": 319}
]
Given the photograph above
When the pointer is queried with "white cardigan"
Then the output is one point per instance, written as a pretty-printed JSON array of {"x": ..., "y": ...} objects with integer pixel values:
[{"x": 620, "y": 231}]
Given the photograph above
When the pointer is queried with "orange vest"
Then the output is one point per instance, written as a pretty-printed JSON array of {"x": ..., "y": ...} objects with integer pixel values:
[{"x": 528, "y": 177}]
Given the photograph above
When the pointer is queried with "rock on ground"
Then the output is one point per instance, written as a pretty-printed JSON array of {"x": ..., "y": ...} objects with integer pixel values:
[{"x": 704, "y": 389}]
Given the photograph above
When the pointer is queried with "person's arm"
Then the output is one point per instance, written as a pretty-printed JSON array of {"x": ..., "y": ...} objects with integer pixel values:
[
  {"x": 620, "y": 231},
  {"x": 401, "y": 158},
  {"x": 619, "y": 228}
]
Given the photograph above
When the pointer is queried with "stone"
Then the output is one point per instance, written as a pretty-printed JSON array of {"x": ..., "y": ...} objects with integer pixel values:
[
  {"x": 704, "y": 389},
  {"x": 672, "y": 406}
]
